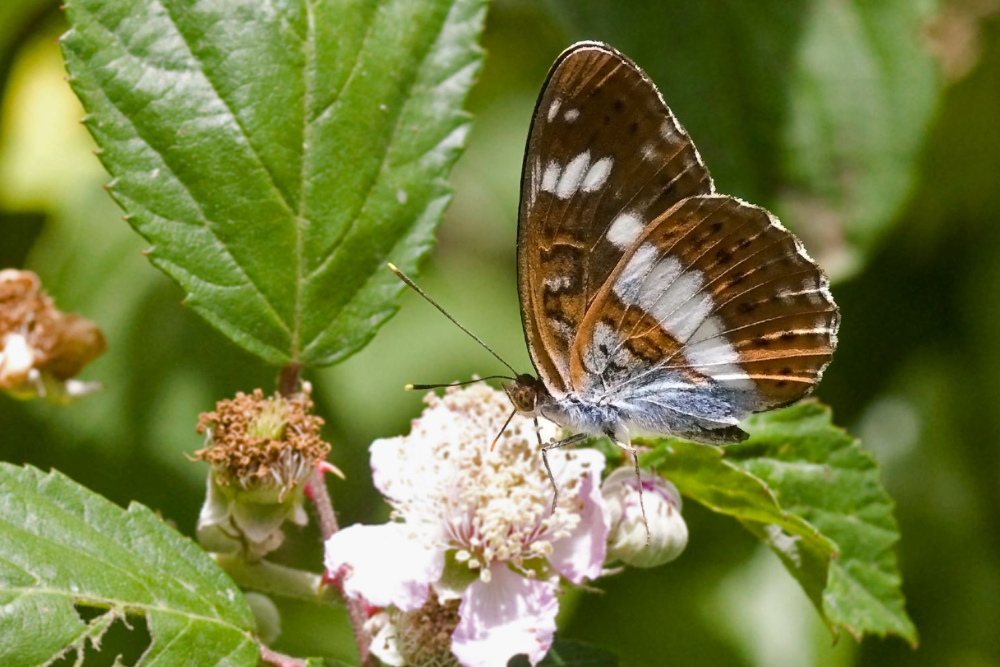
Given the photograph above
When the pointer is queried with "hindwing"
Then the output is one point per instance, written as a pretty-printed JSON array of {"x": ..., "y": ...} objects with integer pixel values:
[{"x": 714, "y": 312}]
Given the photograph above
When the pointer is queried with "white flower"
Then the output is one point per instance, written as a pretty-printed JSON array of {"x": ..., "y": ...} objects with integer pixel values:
[
  {"x": 668, "y": 534},
  {"x": 477, "y": 526}
]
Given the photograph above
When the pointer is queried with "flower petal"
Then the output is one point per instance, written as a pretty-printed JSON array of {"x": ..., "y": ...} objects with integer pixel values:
[
  {"x": 580, "y": 555},
  {"x": 385, "y": 565},
  {"x": 389, "y": 467},
  {"x": 508, "y": 616},
  {"x": 627, "y": 542}
]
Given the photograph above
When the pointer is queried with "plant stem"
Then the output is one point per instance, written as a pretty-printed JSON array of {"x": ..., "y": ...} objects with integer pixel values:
[
  {"x": 288, "y": 385},
  {"x": 273, "y": 579},
  {"x": 328, "y": 526},
  {"x": 288, "y": 381},
  {"x": 280, "y": 659},
  {"x": 324, "y": 506}
]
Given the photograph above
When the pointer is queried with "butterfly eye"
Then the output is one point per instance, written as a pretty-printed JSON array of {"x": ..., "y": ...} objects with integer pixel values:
[{"x": 522, "y": 394}]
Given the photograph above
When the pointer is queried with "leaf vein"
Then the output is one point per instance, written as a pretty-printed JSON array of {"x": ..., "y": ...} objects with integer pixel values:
[
  {"x": 206, "y": 221},
  {"x": 282, "y": 195}
]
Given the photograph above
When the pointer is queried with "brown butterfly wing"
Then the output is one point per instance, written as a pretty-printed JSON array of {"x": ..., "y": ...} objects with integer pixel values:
[
  {"x": 604, "y": 158},
  {"x": 715, "y": 312}
]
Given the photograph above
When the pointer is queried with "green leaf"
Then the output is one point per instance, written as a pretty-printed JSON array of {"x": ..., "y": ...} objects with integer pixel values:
[
  {"x": 808, "y": 490},
  {"x": 815, "y": 108},
  {"x": 62, "y": 546},
  {"x": 15, "y": 15},
  {"x": 569, "y": 653},
  {"x": 278, "y": 158},
  {"x": 861, "y": 100}
]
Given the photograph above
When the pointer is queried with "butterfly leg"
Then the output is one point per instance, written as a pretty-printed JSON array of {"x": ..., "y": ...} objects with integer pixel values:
[
  {"x": 621, "y": 438},
  {"x": 572, "y": 440}
]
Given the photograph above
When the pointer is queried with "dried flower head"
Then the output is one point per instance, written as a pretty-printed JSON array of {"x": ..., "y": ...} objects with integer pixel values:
[
  {"x": 256, "y": 441},
  {"x": 42, "y": 348},
  {"x": 262, "y": 451}
]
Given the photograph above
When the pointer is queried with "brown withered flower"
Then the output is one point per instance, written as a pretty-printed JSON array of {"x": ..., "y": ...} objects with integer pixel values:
[
  {"x": 262, "y": 450},
  {"x": 41, "y": 348}
]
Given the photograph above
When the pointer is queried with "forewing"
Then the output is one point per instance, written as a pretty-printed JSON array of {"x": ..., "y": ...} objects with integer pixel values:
[
  {"x": 715, "y": 312},
  {"x": 604, "y": 158}
]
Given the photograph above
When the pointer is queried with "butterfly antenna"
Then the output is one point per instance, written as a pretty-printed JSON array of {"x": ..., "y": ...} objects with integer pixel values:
[
  {"x": 419, "y": 387},
  {"x": 412, "y": 285},
  {"x": 502, "y": 429}
]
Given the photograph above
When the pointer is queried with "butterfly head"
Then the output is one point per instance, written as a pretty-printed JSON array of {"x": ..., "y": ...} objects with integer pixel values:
[{"x": 524, "y": 392}]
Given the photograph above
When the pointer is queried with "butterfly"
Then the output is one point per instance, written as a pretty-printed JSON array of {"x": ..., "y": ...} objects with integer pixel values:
[{"x": 651, "y": 304}]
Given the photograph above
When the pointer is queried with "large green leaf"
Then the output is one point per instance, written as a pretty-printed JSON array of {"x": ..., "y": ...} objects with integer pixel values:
[
  {"x": 278, "y": 154},
  {"x": 808, "y": 490},
  {"x": 816, "y": 108},
  {"x": 63, "y": 547}
]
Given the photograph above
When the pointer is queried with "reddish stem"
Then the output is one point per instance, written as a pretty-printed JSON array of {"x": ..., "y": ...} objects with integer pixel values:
[
  {"x": 328, "y": 526},
  {"x": 288, "y": 381},
  {"x": 280, "y": 659}
]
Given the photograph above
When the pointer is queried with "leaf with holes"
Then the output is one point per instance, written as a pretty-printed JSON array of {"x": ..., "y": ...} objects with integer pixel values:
[
  {"x": 278, "y": 155},
  {"x": 63, "y": 547},
  {"x": 808, "y": 490}
]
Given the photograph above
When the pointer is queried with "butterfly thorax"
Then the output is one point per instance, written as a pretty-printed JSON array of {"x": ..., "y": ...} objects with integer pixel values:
[{"x": 532, "y": 398}]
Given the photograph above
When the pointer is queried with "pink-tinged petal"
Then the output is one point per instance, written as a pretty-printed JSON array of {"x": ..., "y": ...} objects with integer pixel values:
[
  {"x": 508, "y": 616},
  {"x": 389, "y": 470},
  {"x": 581, "y": 554},
  {"x": 385, "y": 565}
]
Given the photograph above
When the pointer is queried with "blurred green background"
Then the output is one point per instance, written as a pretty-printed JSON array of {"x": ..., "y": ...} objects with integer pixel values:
[{"x": 872, "y": 127}]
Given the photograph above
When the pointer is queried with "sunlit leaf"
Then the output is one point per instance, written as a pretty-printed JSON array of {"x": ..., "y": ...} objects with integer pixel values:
[
  {"x": 64, "y": 548},
  {"x": 808, "y": 490},
  {"x": 277, "y": 156}
]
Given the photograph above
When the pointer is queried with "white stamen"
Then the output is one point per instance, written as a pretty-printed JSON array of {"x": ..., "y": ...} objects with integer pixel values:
[{"x": 488, "y": 507}]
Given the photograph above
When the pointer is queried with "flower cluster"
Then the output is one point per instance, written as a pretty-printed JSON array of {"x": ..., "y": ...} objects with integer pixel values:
[
  {"x": 262, "y": 450},
  {"x": 42, "y": 348},
  {"x": 469, "y": 569}
]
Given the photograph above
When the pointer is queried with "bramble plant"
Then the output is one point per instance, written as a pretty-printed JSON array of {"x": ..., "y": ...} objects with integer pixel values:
[{"x": 276, "y": 156}]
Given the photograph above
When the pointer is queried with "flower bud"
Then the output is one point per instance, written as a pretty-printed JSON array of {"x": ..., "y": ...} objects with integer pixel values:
[
  {"x": 262, "y": 451},
  {"x": 267, "y": 616},
  {"x": 668, "y": 534},
  {"x": 41, "y": 348}
]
